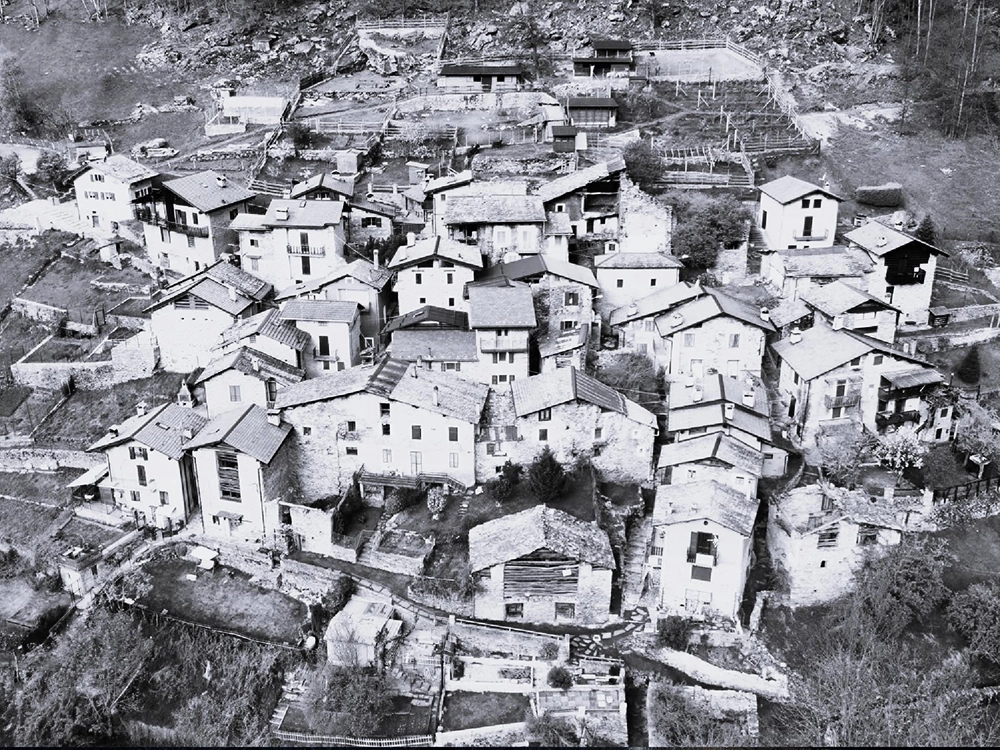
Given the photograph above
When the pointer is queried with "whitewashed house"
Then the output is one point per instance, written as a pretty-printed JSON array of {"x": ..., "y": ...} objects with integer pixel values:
[
  {"x": 795, "y": 214},
  {"x": 335, "y": 330},
  {"x": 268, "y": 334},
  {"x": 636, "y": 326},
  {"x": 714, "y": 456},
  {"x": 502, "y": 318},
  {"x": 842, "y": 306},
  {"x": 245, "y": 376},
  {"x": 105, "y": 190},
  {"x": 433, "y": 271},
  {"x": 627, "y": 277},
  {"x": 497, "y": 224}
]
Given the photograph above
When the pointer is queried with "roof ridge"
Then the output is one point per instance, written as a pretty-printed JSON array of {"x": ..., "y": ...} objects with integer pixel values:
[{"x": 232, "y": 427}]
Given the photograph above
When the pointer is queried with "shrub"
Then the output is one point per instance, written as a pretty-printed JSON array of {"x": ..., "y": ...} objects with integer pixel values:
[
  {"x": 674, "y": 632},
  {"x": 643, "y": 164},
  {"x": 338, "y": 523},
  {"x": 512, "y": 472},
  {"x": 337, "y": 597},
  {"x": 970, "y": 370},
  {"x": 550, "y": 651},
  {"x": 560, "y": 678},
  {"x": 546, "y": 476},
  {"x": 926, "y": 231},
  {"x": 889, "y": 195},
  {"x": 298, "y": 133},
  {"x": 437, "y": 501},
  {"x": 500, "y": 488},
  {"x": 400, "y": 499},
  {"x": 975, "y": 613}
]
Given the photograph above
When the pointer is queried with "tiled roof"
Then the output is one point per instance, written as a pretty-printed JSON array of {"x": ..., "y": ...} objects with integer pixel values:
[
  {"x": 327, "y": 310},
  {"x": 334, "y": 385},
  {"x": 788, "y": 311},
  {"x": 636, "y": 260},
  {"x": 518, "y": 534},
  {"x": 501, "y": 306},
  {"x": 579, "y": 179},
  {"x": 557, "y": 224},
  {"x": 712, "y": 305},
  {"x": 457, "y": 397},
  {"x": 820, "y": 350},
  {"x": 598, "y": 43},
  {"x": 447, "y": 182},
  {"x": 254, "y": 363},
  {"x": 560, "y": 342},
  {"x": 839, "y": 297},
  {"x": 436, "y": 247},
  {"x": 494, "y": 209},
  {"x": 564, "y": 130},
  {"x": 304, "y": 213},
  {"x": 452, "y": 69},
  {"x": 434, "y": 345},
  {"x": 270, "y": 325},
  {"x": 122, "y": 169},
  {"x": 879, "y": 239},
  {"x": 716, "y": 445},
  {"x": 788, "y": 189},
  {"x": 711, "y": 500},
  {"x": 360, "y": 270},
  {"x": 656, "y": 303},
  {"x": 248, "y": 222},
  {"x": 373, "y": 207},
  {"x": 244, "y": 281},
  {"x": 204, "y": 192},
  {"x": 591, "y": 102},
  {"x": 431, "y": 317},
  {"x": 913, "y": 378},
  {"x": 565, "y": 384},
  {"x": 161, "y": 429},
  {"x": 244, "y": 429},
  {"x": 825, "y": 261},
  {"x": 536, "y": 265},
  {"x": 714, "y": 416},
  {"x": 206, "y": 288},
  {"x": 718, "y": 388},
  {"x": 322, "y": 180}
]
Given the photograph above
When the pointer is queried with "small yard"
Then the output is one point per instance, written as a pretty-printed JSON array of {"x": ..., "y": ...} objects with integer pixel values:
[
  {"x": 69, "y": 350},
  {"x": 27, "y": 527},
  {"x": 19, "y": 335},
  {"x": 976, "y": 547},
  {"x": 66, "y": 284},
  {"x": 20, "y": 261},
  {"x": 947, "y": 361},
  {"x": 223, "y": 598},
  {"x": 48, "y": 487},
  {"x": 23, "y": 605},
  {"x": 468, "y": 710}
]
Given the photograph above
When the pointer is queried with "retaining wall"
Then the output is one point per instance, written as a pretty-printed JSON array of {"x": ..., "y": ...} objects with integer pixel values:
[
  {"x": 47, "y": 459},
  {"x": 498, "y": 735},
  {"x": 488, "y": 639},
  {"x": 132, "y": 359},
  {"x": 519, "y": 100},
  {"x": 38, "y": 310}
]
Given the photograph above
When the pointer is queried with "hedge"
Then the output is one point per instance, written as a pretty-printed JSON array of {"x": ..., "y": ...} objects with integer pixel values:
[{"x": 889, "y": 195}]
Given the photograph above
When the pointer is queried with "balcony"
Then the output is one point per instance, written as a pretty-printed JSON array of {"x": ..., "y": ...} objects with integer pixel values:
[
  {"x": 703, "y": 559},
  {"x": 903, "y": 277},
  {"x": 894, "y": 419},
  {"x": 845, "y": 401},
  {"x": 811, "y": 237},
  {"x": 306, "y": 250},
  {"x": 148, "y": 217},
  {"x": 513, "y": 342}
]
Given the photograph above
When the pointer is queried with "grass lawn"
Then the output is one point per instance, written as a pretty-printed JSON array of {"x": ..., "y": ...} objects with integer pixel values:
[
  {"x": 468, "y": 710},
  {"x": 66, "y": 284},
  {"x": 947, "y": 361},
  {"x": 22, "y": 604},
  {"x": 68, "y": 350},
  {"x": 977, "y": 549},
  {"x": 25, "y": 525},
  {"x": 225, "y": 599},
  {"x": 19, "y": 335},
  {"x": 48, "y": 487},
  {"x": 12, "y": 398},
  {"x": 20, "y": 261},
  {"x": 86, "y": 416}
]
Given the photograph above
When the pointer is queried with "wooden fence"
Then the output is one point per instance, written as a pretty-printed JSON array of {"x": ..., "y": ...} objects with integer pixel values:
[
  {"x": 964, "y": 491},
  {"x": 427, "y": 21},
  {"x": 949, "y": 274}
]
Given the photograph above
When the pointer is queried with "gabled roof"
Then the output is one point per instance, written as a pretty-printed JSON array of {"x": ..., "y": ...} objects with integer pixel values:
[
  {"x": 788, "y": 311},
  {"x": 714, "y": 304},
  {"x": 360, "y": 270},
  {"x": 334, "y": 385},
  {"x": 161, "y": 429},
  {"x": 248, "y": 222},
  {"x": 838, "y": 298},
  {"x": 579, "y": 179},
  {"x": 720, "y": 388},
  {"x": 436, "y": 247},
  {"x": 636, "y": 260},
  {"x": 120, "y": 168},
  {"x": 557, "y": 224},
  {"x": 245, "y": 430},
  {"x": 822, "y": 349},
  {"x": 253, "y": 363},
  {"x": 714, "y": 416},
  {"x": 566, "y": 384},
  {"x": 514, "y": 536},
  {"x": 372, "y": 207},
  {"x": 494, "y": 209},
  {"x": 825, "y": 261},
  {"x": 221, "y": 285},
  {"x": 558, "y": 342},
  {"x": 508, "y": 306},
  {"x": 447, "y": 182},
  {"x": 914, "y": 378},
  {"x": 269, "y": 325},
  {"x": 564, "y": 131},
  {"x": 309, "y": 214},
  {"x": 204, "y": 191},
  {"x": 434, "y": 345},
  {"x": 709, "y": 500},
  {"x": 536, "y": 265},
  {"x": 718, "y": 446},
  {"x": 322, "y": 180},
  {"x": 788, "y": 189},
  {"x": 591, "y": 102},
  {"x": 455, "y": 69},
  {"x": 326, "y": 310},
  {"x": 598, "y": 43},
  {"x": 879, "y": 239},
  {"x": 430, "y": 317},
  {"x": 656, "y": 303}
]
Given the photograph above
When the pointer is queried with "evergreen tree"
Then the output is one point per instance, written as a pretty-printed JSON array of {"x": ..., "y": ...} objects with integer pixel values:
[
  {"x": 970, "y": 369},
  {"x": 926, "y": 230},
  {"x": 546, "y": 476}
]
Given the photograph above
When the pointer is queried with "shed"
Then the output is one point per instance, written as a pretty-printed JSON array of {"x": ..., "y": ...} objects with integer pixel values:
[
  {"x": 358, "y": 633},
  {"x": 564, "y": 138}
]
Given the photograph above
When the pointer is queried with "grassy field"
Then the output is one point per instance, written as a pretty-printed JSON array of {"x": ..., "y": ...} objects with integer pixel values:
[
  {"x": 26, "y": 526},
  {"x": 20, "y": 261},
  {"x": 468, "y": 710},
  {"x": 977, "y": 551},
  {"x": 66, "y": 283},
  {"x": 48, "y": 487}
]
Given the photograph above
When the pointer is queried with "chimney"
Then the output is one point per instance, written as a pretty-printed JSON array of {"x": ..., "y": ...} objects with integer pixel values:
[
  {"x": 697, "y": 394},
  {"x": 417, "y": 366},
  {"x": 113, "y": 430},
  {"x": 765, "y": 314},
  {"x": 434, "y": 396},
  {"x": 838, "y": 322},
  {"x": 411, "y": 239},
  {"x": 795, "y": 336},
  {"x": 232, "y": 292},
  {"x": 748, "y": 396},
  {"x": 730, "y": 409},
  {"x": 140, "y": 409},
  {"x": 375, "y": 257},
  {"x": 274, "y": 417},
  {"x": 281, "y": 214},
  {"x": 221, "y": 181},
  {"x": 188, "y": 433},
  {"x": 255, "y": 364},
  {"x": 880, "y": 242}
]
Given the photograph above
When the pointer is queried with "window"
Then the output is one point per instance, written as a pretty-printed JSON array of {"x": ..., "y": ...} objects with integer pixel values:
[
  {"x": 571, "y": 299},
  {"x": 451, "y": 302},
  {"x": 763, "y": 219},
  {"x": 140, "y": 472},
  {"x": 351, "y": 451},
  {"x": 134, "y": 495},
  {"x": 692, "y": 474},
  {"x": 254, "y": 243},
  {"x": 699, "y": 573},
  {"x": 565, "y": 610},
  {"x": 841, "y": 388},
  {"x": 190, "y": 241},
  {"x": 598, "y": 431},
  {"x": 96, "y": 177},
  {"x": 652, "y": 282},
  {"x": 642, "y": 348},
  {"x": 828, "y": 538},
  {"x": 234, "y": 393},
  {"x": 877, "y": 359},
  {"x": 805, "y": 203},
  {"x": 543, "y": 436},
  {"x": 452, "y": 434},
  {"x": 512, "y": 611},
  {"x": 545, "y": 415},
  {"x": 795, "y": 378},
  {"x": 164, "y": 498},
  {"x": 371, "y": 221},
  {"x": 688, "y": 339},
  {"x": 422, "y": 300},
  {"x": 229, "y": 475},
  {"x": 888, "y": 294},
  {"x": 734, "y": 341},
  {"x": 383, "y": 410},
  {"x": 649, "y": 324},
  {"x": 620, "y": 283},
  {"x": 307, "y": 430},
  {"x": 867, "y": 535},
  {"x": 566, "y": 325},
  {"x": 502, "y": 357},
  {"x": 271, "y": 390},
  {"x": 324, "y": 346},
  {"x": 418, "y": 278},
  {"x": 386, "y": 456},
  {"x": 944, "y": 412},
  {"x": 136, "y": 451},
  {"x": 234, "y": 213},
  {"x": 491, "y": 449},
  {"x": 827, "y": 504},
  {"x": 326, "y": 365},
  {"x": 938, "y": 433},
  {"x": 856, "y": 362},
  {"x": 807, "y": 226},
  {"x": 254, "y": 264},
  {"x": 656, "y": 551},
  {"x": 817, "y": 203},
  {"x": 453, "y": 460},
  {"x": 415, "y": 432},
  {"x": 560, "y": 208},
  {"x": 496, "y": 379},
  {"x": 836, "y": 412},
  {"x": 164, "y": 236}
]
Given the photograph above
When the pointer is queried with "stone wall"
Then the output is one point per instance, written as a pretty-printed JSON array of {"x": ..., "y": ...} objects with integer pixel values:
[
  {"x": 310, "y": 581},
  {"x": 392, "y": 562},
  {"x": 490, "y": 639},
  {"x": 47, "y": 459},
  {"x": 37, "y": 310},
  {"x": 526, "y": 101},
  {"x": 131, "y": 359}
]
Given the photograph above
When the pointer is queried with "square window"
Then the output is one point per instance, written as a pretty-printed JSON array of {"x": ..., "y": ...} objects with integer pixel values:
[
  {"x": 805, "y": 203},
  {"x": 877, "y": 359},
  {"x": 307, "y": 430},
  {"x": 571, "y": 299},
  {"x": 326, "y": 365},
  {"x": 817, "y": 203},
  {"x": 386, "y": 456},
  {"x": 545, "y": 415},
  {"x": 620, "y": 283},
  {"x": 452, "y": 434},
  {"x": 422, "y": 300},
  {"x": 565, "y": 610},
  {"x": 453, "y": 460},
  {"x": 234, "y": 393},
  {"x": 649, "y": 324},
  {"x": 836, "y": 412},
  {"x": 652, "y": 282},
  {"x": 700, "y": 573},
  {"x": 386, "y": 429},
  {"x": 254, "y": 243},
  {"x": 856, "y": 362},
  {"x": 867, "y": 535},
  {"x": 543, "y": 435},
  {"x": 688, "y": 339},
  {"x": 134, "y": 495},
  {"x": 415, "y": 432},
  {"x": 566, "y": 325},
  {"x": 734, "y": 341},
  {"x": 383, "y": 410},
  {"x": 352, "y": 426},
  {"x": 597, "y": 433},
  {"x": 352, "y": 451},
  {"x": 828, "y": 538},
  {"x": 513, "y": 611}
]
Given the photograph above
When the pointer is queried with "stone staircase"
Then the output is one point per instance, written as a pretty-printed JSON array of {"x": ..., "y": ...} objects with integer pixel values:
[{"x": 634, "y": 563}]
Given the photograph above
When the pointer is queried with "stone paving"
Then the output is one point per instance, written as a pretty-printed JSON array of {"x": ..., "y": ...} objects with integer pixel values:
[{"x": 598, "y": 644}]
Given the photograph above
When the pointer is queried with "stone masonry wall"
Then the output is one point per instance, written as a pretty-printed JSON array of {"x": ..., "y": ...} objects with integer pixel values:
[{"x": 47, "y": 459}]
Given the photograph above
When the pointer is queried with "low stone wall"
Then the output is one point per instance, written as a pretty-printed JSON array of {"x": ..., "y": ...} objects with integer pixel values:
[
  {"x": 494, "y": 736},
  {"x": 453, "y": 603},
  {"x": 517, "y": 100},
  {"x": 390, "y": 561},
  {"x": 131, "y": 359},
  {"x": 311, "y": 581},
  {"x": 973, "y": 312},
  {"x": 489, "y": 638},
  {"x": 38, "y": 310},
  {"x": 47, "y": 459}
]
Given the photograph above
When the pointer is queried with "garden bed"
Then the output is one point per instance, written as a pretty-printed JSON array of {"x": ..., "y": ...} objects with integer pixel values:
[
  {"x": 471, "y": 710},
  {"x": 66, "y": 284}
]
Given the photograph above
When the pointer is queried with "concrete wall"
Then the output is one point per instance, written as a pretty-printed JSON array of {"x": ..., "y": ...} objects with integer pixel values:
[
  {"x": 621, "y": 286},
  {"x": 186, "y": 336}
]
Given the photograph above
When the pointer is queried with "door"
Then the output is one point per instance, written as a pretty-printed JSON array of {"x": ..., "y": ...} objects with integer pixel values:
[
  {"x": 95, "y": 219},
  {"x": 807, "y": 227},
  {"x": 733, "y": 368},
  {"x": 304, "y": 242},
  {"x": 416, "y": 462},
  {"x": 697, "y": 368}
]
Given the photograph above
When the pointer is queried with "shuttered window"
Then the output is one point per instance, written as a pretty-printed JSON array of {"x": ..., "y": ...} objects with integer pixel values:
[{"x": 229, "y": 475}]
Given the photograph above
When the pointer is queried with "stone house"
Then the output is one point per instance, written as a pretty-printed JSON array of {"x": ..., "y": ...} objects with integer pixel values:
[
  {"x": 904, "y": 267},
  {"x": 359, "y": 281},
  {"x": 828, "y": 379},
  {"x": 635, "y": 324},
  {"x": 714, "y": 456},
  {"x": 245, "y": 376},
  {"x": 295, "y": 241},
  {"x": 187, "y": 220},
  {"x": 701, "y": 548},
  {"x": 188, "y": 317},
  {"x": 424, "y": 202},
  {"x": 541, "y": 565},
  {"x": 435, "y": 269},
  {"x": 322, "y": 186},
  {"x": 713, "y": 333},
  {"x": 497, "y": 224},
  {"x": 626, "y": 277},
  {"x": 268, "y": 334},
  {"x": 840, "y": 305},
  {"x": 444, "y": 349},
  {"x": 149, "y": 474},
  {"x": 106, "y": 189},
  {"x": 790, "y": 273},
  {"x": 795, "y": 214},
  {"x": 820, "y": 535},
  {"x": 370, "y": 220},
  {"x": 645, "y": 224},
  {"x": 574, "y": 415},
  {"x": 482, "y": 78},
  {"x": 721, "y": 404},
  {"x": 334, "y": 328},
  {"x": 502, "y": 318},
  {"x": 588, "y": 197},
  {"x": 244, "y": 468},
  {"x": 389, "y": 424},
  {"x": 568, "y": 348}
]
